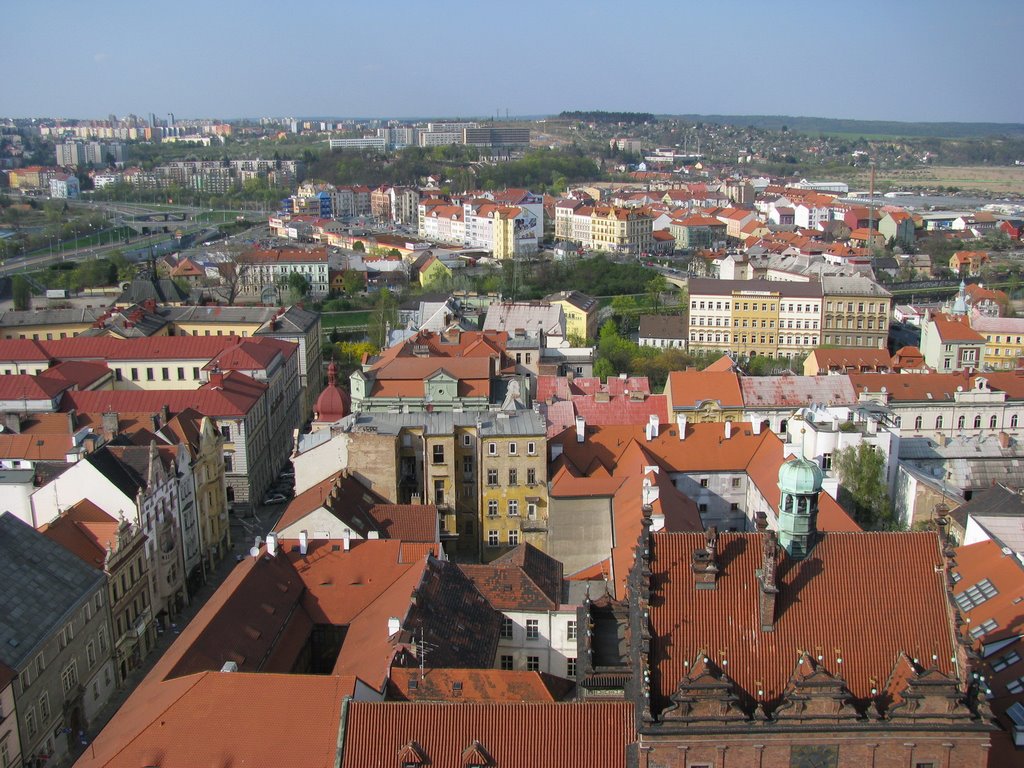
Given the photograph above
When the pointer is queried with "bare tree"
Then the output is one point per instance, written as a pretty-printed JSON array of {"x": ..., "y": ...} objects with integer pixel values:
[{"x": 234, "y": 275}]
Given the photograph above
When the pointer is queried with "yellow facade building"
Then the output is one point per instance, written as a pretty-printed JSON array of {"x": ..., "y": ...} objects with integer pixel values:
[{"x": 581, "y": 313}]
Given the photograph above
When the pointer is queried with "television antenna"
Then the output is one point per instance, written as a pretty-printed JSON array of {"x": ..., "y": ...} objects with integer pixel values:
[{"x": 422, "y": 649}]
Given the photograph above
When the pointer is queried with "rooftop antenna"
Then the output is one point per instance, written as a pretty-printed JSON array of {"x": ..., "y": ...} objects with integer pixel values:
[{"x": 422, "y": 648}]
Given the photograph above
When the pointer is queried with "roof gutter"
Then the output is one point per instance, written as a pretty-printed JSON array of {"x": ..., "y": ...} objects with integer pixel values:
[{"x": 342, "y": 724}]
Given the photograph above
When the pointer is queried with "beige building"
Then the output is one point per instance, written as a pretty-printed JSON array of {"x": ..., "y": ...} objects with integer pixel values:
[
  {"x": 754, "y": 317},
  {"x": 856, "y": 312}
]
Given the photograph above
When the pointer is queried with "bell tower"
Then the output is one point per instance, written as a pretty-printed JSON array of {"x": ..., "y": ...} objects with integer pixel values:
[{"x": 800, "y": 484}]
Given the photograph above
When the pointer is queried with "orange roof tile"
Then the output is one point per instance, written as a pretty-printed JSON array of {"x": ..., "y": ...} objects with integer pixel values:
[
  {"x": 686, "y": 389},
  {"x": 556, "y": 735},
  {"x": 475, "y": 685},
  {"x": 829, "y": 604}
]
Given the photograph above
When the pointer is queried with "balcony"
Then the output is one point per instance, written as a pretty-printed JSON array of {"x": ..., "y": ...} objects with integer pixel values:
[{"x": 534, "y": 526}]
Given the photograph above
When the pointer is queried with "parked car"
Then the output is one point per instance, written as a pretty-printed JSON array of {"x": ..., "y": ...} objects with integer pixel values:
[{"x": 274, "y": 498}]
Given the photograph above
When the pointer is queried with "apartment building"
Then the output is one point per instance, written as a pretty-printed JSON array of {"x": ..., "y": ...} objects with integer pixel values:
[
  {"x": 605, "y": 228},
  {"x": 56, "y": 636},
  {"x": 754, "y": 317},
  {"x": 949, "y": 343},
  {"x": 506, "y": 230},
  {"x": 483, "y": 470},
  {"x": 856, "y": 312}
]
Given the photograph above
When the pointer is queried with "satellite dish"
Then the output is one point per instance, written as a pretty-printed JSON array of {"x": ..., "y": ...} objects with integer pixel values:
[{"x": 254, "y": 552}]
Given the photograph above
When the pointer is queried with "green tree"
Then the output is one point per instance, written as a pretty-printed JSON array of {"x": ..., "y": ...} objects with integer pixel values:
[
  {"x": 298, "y": 284},
  {"x": 22, "y": 293},
  {"x": 352, "y": 281},
  {"x": 358, "y": 246},
  {"x": 656, "y": 286},
  {"x": 862, "y": 489},
  {"x": 383, "y": 319}
]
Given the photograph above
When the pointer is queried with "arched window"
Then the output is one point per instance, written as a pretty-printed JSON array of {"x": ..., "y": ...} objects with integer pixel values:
[
  {"x": 938, "y": 422},
  {"x": 977, "y": 421},
  {"x": 961, "y": 422},
  {"x": 1013, "y": 421},
  {"x": 992, "y": 422},
  {"x": 918, "y": 422},
  {"x": 899, "y": 421}
]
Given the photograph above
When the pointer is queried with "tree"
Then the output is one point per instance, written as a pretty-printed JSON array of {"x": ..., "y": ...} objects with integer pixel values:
[
  {"x": 383, "y": 319},
  {"x": 233, "y": 276},
  {"x": 358, "y": 246},
  {"x": 22, "y": 293},
  {"x": 862, "y": 490},
  {"x": 352, "y": 281},
  {"x": 298, "y": 284},
  {"x": 656, "y": 286}
]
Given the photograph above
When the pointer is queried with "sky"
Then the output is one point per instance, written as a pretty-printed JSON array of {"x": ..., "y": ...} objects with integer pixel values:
[{"x": 913, "y": 60}]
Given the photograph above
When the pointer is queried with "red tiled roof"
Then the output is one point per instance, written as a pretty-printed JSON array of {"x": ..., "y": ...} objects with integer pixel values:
[
  {"x": 857, "y": 358},
  {"x": 235, "y": 397},
  {"x": 25, "y": 387},
  {"x": 688, "y": 388},
  {"x": 555, "y": 735},
  {"x": 252, "y": 354},
  {"x": 524, "y": 579},
  {"x": 22, "y": 350},
  {"x": 407, "y": 522},
  {"x": 857, "y": 619},
  {"x": 85, "y": 530},
  {"x": 144, "y": 348},
  {"x": 955, "y": 328},
  {"x": 216, "y": 718},
  {"x": 475, "y": 685},
  {"x": 76, "y": 373},
  {"x": 936, "y": 386}
]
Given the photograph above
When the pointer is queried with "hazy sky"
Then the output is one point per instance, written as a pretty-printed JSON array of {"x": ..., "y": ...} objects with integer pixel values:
[{"x": 897, "y": 60}]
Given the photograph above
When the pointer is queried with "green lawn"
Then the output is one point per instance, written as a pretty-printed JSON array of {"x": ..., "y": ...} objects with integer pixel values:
[{"x": 351, "y": 319}]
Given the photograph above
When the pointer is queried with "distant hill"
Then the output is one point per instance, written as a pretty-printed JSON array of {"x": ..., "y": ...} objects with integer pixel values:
[{"x": 863, "y": 127}]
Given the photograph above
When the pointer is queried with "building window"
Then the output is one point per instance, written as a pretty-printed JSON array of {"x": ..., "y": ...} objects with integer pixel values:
[
  {"x": 531, "y": 476},
  {"x": 30, "y": 722},
  {"x": 229, "y": 464},
  {"x": 513, "y": 477},
  {"x": 492, "y": 538},
  {"x": 492, "y": 477},
  {"x": 533, "y": 663},
  {"x": 570, "y": 630},
  {"x": 135, "y": 374},
  {"x": 506, "y": 663},
  {"x": 531, "y": 449},
  {"x": 826, "y": 461},
  {"x": 181, "y": 374},
  {"x": 90, "y": 654},
  {"x": 513, "y": 537},
  {"x": 225, "y": 432},
  {"x": 512, "y": 449},
  {"x": 165, "y": 374},
  {"x": 492, "y": 508},
  {"x": 1005, "y": 661},
  {"x": 513, "y": 508},
  {"x": 532, "y": 629},
  {"x": 1013, "y": 421},
  {"x": 467, "y": 466},
  {"x": 992, "y": 422},
  {"x": 439, "y": 491},
  {"x": 437, "y": 454},
  {"x": 977, "y": 422},
  {"x": 149, "y": 374},
  {"x": 492, "y": 449},
  {"x": 703, "y": 482},
  {"x": 938, "y": 422},
  {"x": 531, "y": 510},
  {"x": 735, "y": 482},
  {"x": 702, "y": 508},
  {"x": 961, "y": 422},
  {"x": 984, "y": 628},
  {"x": 918, "y": 422},
  {"x": 734, "y": 507},
  {"x": 975, "y": 595},
  {"x": 1015, "y": 686},
  {"x": 506, "y": 628},
  {"x": 69, "y": 678}
]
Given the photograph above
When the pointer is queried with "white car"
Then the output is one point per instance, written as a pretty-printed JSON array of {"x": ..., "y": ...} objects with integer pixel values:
[{"x": 274, "y": 498}]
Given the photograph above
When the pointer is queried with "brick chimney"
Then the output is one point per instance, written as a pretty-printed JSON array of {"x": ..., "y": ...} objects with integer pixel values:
[
  {"x": 110, "y": 425},
  {"x": 704, "y": 563},
  {"x": 12, "y": 422},
  {"x": 217, "y": 379},
  {"x": 767, "y": 591}
]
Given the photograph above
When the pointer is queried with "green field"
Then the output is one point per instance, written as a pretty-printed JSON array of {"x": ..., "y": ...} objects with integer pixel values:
[{"x": 358, "y": 318}]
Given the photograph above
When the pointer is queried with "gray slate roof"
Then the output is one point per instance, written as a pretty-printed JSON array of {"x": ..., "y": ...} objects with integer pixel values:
[{"x": 42, "y": 584}]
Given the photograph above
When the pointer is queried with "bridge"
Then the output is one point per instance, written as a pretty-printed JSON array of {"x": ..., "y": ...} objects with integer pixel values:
[{"x": 148, "y": 223}]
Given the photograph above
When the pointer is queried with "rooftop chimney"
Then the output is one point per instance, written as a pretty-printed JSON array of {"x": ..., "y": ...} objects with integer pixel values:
[
  {"x": 581, "y": 429},
  {"x": 728, "y": 430},
  {"x": 303, "y": 542},
  {"x": 272, "y": 544},
  {"x": 394, "y": 625},
  {"x": 681, "y": 423},
  {"x": 704, "y": 564},
  {"x": 755, "y": 426},
  {"x": 12, "y": 422},
  {"x": 110, "y": 425},
  {"x": 347, "y": 539},
  {"x": 767, "y": 591},
  {"x": 217, "y": 379}
]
